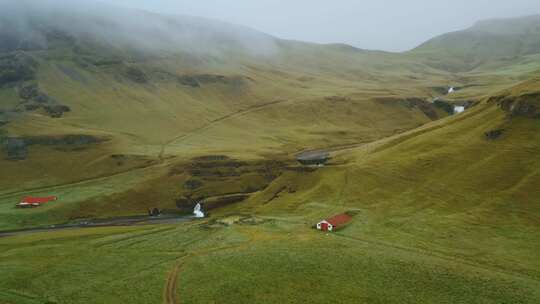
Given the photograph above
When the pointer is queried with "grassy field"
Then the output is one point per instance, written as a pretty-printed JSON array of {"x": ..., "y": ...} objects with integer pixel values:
[
  {"x": 441, "y": 206},
  {"x": 445, "y": 207},
  {"x": 276, "y": 260}
]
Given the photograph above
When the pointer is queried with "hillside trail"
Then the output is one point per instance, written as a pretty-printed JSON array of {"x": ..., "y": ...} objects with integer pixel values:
[
  {"x": 170, "y": 294},
  {"x": 162, "y": 161},
  {"x": 161, "y": 156},
  {"x": 219, "y": 120},
  {"x": 81, "y": 182}
]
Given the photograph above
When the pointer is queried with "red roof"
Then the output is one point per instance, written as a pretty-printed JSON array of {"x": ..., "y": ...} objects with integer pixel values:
[
  {"x": 339, "y": 220},
  {"x": 37, "y": 200}
]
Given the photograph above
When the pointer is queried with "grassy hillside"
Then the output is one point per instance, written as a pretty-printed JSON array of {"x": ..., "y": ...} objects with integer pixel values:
[
  {"x": 444, "y": 206},
  {"x": 484, "y": 43},
  {"x": 172, "y": 101},
  {"x": 155, "y": 111}
]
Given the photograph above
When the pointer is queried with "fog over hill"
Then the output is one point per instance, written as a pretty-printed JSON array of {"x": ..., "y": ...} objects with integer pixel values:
[
  {"x": 119, "y": 128},
  {"x": 31, "y": 24},
  {"x": 390, "y": 25}
]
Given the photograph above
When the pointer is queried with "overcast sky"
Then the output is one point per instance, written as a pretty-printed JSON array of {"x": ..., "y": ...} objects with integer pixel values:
[{"x": 393, "y": 25}]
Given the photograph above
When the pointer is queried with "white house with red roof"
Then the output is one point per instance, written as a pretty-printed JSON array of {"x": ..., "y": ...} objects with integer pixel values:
[
  {"x": 32, "y": 202},
  {"x": 334, "y": 223}
]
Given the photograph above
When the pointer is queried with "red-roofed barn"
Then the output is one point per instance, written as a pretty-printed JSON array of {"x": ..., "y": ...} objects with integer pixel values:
[
  {"x": 31, "y": 201},
  {"x": 334, "y": 223}
]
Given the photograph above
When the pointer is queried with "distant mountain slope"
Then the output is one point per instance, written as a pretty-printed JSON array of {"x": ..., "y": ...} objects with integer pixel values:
[
  {"x": 148, "y": 87},
  {"x": 120, "y": 90},
  {"x": 469, "y": 182},
  {"x": 32, "y": 25},
  {"x": 487, "y": 41}
]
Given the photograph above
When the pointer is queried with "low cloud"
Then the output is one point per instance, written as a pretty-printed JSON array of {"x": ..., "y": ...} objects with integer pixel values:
[{"x": 30, "y": 22}]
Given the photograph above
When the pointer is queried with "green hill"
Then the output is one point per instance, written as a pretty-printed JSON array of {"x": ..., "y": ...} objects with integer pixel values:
[
  {"x": 503, "y": 40},
  {"x": 450, "y": 206},
  {"x": 153, "y": 102},
  {"x": 116, "y": 116}
]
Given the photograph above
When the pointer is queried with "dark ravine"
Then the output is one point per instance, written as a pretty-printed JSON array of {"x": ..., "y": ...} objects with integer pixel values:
[
  {"x": 16, "y": 148},
  {"x": 423, "y": 105},
  {"x": 526, "y": 105}
]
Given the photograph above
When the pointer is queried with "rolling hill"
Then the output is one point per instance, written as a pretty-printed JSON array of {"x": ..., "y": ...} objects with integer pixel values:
[
  {"x": 143, "y": 103},
  {"x": 132, "y": 115},
  {"x": 500, "y": 40}
]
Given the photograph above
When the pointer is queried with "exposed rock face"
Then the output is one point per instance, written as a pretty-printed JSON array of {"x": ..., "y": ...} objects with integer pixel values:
[
  {"x": 154, "y": 212},
  {"x": 226, "y": 180},
  {"x": 208, "y": 158},
  {"x": 16, "y": 148},
  {"x": 440, "y": 90},
  {"x": 63, "y": 140},
  {"x": 336, "y": 98},
  {"x": 444, "y": 105},
  {"x": 494, "y": 134},
  {"x": 189, "y": 81},
  {"x": 526, "y": 105},
  {"x": 224, "y": 201},
  {"x": 35, "y": 99},
  {"x": 4, "y": 120},
  {"x": 187, "y": 203},
  {"x": 29, "y": 91},
  {"x": 313, "y": 158},
  {"x": 217, "y": 168},
  {"x": 412, "y": 103},
  {"x": 193, "y": 184},
  {"x": 29, "y": 107},
  {"x": 136, "y": 75},
  {"x": 56, "y": 111},
  {"x": 42, "y": 98},
  {"x": 450, "y": 108},
  {"x": 199, "y": 80},
  {"x": 16, "y": 68}
]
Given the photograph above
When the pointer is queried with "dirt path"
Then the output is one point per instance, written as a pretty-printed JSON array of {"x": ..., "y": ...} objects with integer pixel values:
[
  {"x": 160, "y": 156},
  {"x": 221, "y": 119},
  {"x": 76, "y": 183},
  {"x": 170, "y": 295}
]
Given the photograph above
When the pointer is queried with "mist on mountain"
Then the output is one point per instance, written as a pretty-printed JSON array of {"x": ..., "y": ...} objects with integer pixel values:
[{"x": 31, "y": 24}]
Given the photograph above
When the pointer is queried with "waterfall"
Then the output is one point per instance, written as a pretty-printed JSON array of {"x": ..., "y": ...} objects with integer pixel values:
[
  {"x": 197, "y": 211},
  {"x": 459, "y": 109}
]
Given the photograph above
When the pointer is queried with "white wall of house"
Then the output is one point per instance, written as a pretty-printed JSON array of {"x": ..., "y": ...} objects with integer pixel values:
[{"x": 330, "y": 226}]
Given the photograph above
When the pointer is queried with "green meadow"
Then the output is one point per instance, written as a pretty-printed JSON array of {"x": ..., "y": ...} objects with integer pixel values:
[{"x": 445, "y": 207}]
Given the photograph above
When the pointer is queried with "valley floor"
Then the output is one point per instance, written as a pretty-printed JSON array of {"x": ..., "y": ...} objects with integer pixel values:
[
  {"x": 242, "y": 259},
  {"x": 434, "y": 222},
  {"x": 445, "y": 207}
]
